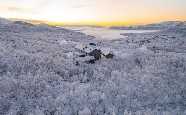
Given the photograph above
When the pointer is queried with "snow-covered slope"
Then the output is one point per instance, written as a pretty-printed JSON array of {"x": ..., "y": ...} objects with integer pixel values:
[
  {"x": 44, "y": 71},
  {"x": 4, "y": 21}
]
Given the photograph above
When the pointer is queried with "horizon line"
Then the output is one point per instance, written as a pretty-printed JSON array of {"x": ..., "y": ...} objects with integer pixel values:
[{"x": 91, "y": 23}]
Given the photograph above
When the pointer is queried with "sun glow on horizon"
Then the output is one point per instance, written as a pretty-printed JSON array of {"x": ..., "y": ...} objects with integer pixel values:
[{"x": 97, "y": 12}]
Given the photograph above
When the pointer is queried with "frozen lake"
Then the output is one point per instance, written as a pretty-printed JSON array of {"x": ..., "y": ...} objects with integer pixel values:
[{"x": 107, "y": 33}]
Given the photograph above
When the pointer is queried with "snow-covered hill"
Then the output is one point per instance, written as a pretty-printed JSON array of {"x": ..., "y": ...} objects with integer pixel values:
[{"x": 54, "y": 71}]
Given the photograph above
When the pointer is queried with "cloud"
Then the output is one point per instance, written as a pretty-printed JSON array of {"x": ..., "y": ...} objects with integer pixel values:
[
  {"x": 16, "y": 12},
  {"x": 17, "y": 9},
  {"x": 80, "y": 6}
]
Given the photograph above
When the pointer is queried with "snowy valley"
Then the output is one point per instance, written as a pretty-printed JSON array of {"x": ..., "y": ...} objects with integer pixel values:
[{"x": 47, "y": 70}]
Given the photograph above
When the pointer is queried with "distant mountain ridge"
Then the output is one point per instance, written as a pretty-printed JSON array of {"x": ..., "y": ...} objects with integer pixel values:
[{"x": 161, "y": 25}]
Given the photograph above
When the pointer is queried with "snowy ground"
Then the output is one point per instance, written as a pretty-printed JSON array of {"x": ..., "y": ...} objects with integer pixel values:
[{"x": 39, "y": 74}]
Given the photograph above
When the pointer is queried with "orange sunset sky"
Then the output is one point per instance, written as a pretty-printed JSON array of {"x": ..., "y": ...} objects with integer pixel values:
[{"x": 95, "y": 12}]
